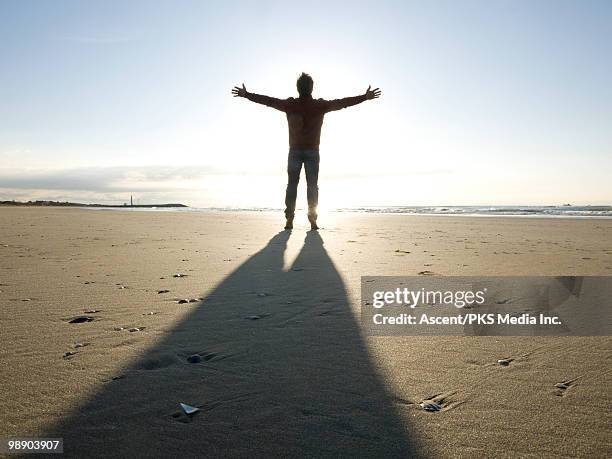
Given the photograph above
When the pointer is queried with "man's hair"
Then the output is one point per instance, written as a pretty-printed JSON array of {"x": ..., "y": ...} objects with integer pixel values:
[{"x": 304, "y": 84}]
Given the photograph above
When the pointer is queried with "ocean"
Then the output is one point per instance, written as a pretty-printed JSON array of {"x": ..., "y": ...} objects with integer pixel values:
[{"x": 565, "y": 211}]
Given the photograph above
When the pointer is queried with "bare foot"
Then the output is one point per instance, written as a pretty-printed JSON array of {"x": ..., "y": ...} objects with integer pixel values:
[{"x": 289, "y": 224}]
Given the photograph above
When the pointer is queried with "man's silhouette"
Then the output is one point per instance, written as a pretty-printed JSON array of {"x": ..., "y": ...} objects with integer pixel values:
[{"x": 305, "y": 118}]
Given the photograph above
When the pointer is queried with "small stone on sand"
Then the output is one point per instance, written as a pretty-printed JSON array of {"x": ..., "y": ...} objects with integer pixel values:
[
  {"x": 195, "y": 358},
  {"x": 504, "y": 362}
]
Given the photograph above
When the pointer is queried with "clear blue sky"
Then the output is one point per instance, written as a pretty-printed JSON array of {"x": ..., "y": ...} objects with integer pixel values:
[{"x": 484, "y": 102}]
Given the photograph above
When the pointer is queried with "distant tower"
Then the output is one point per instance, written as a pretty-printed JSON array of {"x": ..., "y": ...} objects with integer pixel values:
[{"x": 131, "y": 201}]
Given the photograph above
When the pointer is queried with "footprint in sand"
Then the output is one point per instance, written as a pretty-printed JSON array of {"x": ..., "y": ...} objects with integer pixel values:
[
  {"x": 80, "y": 319},
  {"x": 439, "y": 402},
  {"x": 201, "y": 357},
  {"x": 426, "y": 273},
  {"x": 131, "y": 329},
  {"x": 162, "y": 291},
  {"x": 197, "y": 356},
  {"x": 428, "y": 405},
  {"x": 562, "y": 387},
  {"x": 158, "y": 362},
  {"x": 188, "y": 300}
]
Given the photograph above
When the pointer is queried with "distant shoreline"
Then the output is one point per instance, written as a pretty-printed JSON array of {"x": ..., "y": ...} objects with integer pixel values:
[
  {"x": 550, "y": 211},
  {"x": 77, "y": 204}
]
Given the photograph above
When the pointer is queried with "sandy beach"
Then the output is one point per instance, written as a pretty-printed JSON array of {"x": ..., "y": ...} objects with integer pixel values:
[{"x": 273, "y": 316}]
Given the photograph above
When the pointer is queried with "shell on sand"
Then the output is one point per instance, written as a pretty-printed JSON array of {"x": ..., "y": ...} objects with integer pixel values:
[{"x": 188, "y": 409}]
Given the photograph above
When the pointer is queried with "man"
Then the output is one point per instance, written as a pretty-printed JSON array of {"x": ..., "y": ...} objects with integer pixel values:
[{"x": 305, "y": 118}]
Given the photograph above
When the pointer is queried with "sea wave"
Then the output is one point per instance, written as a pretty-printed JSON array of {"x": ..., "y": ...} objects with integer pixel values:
[
  {"x": 520, "y": 211},
  {"x": 567, "y": 211}
]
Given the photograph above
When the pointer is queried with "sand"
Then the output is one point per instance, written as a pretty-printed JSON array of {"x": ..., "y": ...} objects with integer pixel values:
[{"x": 284, "y": 369}]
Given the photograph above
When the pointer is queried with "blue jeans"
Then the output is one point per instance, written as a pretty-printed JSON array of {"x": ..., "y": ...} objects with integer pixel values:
[{"x": 310, "y": 159}]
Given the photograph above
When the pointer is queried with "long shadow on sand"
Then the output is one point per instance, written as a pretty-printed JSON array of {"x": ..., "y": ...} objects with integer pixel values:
[{"x": 297, "y": 381}]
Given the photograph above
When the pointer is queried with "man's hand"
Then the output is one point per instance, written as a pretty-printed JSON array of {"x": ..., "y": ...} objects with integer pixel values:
[
  {"x": 239, "y": 92},
  {"x": 372, "y": 93}
]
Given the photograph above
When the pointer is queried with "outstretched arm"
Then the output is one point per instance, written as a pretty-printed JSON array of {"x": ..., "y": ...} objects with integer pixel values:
[
  {"x": 273, "y": 102},
  {"x": 338, "y": 104}
]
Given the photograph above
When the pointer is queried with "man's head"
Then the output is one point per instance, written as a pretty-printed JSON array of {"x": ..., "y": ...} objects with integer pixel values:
[{"x": 304, "y": 85}]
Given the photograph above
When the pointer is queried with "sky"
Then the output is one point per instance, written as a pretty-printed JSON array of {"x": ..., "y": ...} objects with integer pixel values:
[{"x": 483, "y": 103}]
